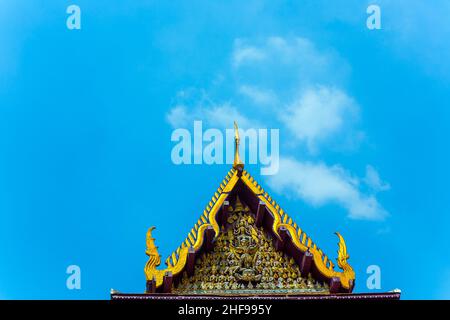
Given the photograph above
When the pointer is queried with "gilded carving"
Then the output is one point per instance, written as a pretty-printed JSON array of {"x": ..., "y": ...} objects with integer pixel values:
[
  {"x": 244, "y": 260},
  {"x": 154, "y": 258}
]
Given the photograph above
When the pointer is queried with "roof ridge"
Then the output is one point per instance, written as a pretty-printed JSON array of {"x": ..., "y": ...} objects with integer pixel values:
[{"x": 203, "y": 220}]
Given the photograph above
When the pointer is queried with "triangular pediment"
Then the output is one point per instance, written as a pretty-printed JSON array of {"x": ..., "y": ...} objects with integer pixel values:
[{"x": 277, "y": 236}]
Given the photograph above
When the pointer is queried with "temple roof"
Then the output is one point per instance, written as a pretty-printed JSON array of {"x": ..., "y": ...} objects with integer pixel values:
[
  {"x": 280, "y": 223},
  {"x": 289, "y": 236}
]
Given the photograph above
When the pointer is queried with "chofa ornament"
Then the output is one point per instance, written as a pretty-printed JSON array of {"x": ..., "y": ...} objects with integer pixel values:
[{"x": 154, "y": 258}]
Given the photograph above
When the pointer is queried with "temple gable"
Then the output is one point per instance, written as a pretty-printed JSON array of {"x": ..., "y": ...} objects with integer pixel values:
[
  {"x": 256, "y": 247},
  {"x": 245, "y": 244}
]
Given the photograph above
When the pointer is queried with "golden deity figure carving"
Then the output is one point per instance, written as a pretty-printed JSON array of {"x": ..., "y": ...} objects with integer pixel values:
[
  {"x": 244, "y": 260},
  {"x": 243, "y": 249}
]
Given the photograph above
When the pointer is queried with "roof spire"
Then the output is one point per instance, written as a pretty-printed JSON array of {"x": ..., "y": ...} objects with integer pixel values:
[{"x": 237, "y": 160}]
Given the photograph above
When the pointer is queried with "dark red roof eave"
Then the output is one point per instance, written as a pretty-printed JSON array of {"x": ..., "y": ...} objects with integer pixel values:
[{"x": 340, "y": 296}]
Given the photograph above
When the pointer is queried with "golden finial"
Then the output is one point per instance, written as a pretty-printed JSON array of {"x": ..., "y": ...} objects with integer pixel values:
[{"x": 237, "y": 160}]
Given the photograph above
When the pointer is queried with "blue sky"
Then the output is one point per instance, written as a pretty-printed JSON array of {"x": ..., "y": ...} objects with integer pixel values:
[{"x": 86, "y": 118}]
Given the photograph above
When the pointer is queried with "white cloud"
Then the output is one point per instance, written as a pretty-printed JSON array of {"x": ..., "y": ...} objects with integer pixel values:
[
  {"x": 214, "y": 115},
  {"x": 257, "y": 95},
  {"x": 178, "y": 116},
  {"x": 243, "y": 53},
  {"x": 374, "y": 181},
  {"x": 221, "y": 116},
  {"x": 278, "y": 49},
  {"x": 297, "y": 50},
  {"x": 319, "y": 184},
  {"x": 319, "y": 113},
  {"x": 286, "y": 63}
]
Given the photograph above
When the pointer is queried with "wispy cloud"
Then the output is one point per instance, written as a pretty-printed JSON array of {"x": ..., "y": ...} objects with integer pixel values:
[
  {"x": 286, "y": 63},
  {"x": 294, "y": 50},
  {"x": 257, "y": 95},
  {"x": 178, "y": 116},
  {"x": 217, "y": 115},
  {"x": 318, "y": 184},
  {"x": 244, "y": 54},
  {"x": 373, "y": 180},
  {"x": 319, "y": 113}
]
